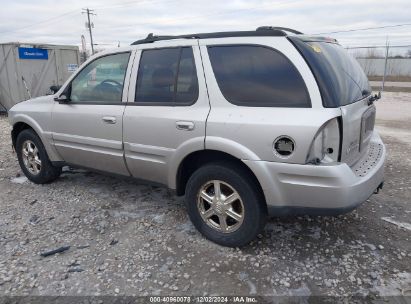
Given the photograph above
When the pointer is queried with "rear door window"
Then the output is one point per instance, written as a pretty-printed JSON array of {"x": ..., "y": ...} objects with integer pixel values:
[
  {"x": 257, "y": 76},
  {"x": 167, "y": 77}
]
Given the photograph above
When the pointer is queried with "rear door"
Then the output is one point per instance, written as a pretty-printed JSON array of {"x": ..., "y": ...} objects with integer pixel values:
[
  {"x": 343, "y": 84},
  {"x": 168, "y": 110},
  {"x": 358, "y": 115},
  {"x": 88, "y": 128}
]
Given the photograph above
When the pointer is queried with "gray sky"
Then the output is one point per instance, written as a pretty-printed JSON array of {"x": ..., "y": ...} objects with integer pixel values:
[{"x": 61, "y": 22}]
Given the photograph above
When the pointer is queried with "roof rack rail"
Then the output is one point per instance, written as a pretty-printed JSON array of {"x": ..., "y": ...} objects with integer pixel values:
[
  {"x": 260, "y": 32},
  {"x": 279, "y": 28}
]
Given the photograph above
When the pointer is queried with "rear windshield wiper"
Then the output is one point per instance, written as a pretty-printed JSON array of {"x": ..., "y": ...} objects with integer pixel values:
[{"x": 372, "y": 98}]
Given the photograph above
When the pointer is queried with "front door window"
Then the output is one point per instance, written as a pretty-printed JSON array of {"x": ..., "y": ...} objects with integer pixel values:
[{"x": 101, "y": 81}]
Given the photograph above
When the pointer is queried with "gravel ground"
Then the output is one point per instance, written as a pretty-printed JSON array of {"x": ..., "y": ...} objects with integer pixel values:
[{"x": 131, "y": 239}]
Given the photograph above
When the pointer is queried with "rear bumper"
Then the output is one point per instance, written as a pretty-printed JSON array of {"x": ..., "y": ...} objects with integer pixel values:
[{"x": 321, "y": 189}]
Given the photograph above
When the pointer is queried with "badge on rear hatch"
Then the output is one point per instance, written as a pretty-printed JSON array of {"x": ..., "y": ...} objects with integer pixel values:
[
  {"x": 316, "y": 48},
  {"x": 367, "y": 127}
]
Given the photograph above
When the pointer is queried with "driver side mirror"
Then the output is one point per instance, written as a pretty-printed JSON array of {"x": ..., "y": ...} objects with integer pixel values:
[
  {"x": 65, "y": 96},
  {"x": 62, "y": 98}
]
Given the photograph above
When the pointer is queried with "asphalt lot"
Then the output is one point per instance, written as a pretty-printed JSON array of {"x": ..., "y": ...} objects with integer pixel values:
[{"x": 126, "y": 238}]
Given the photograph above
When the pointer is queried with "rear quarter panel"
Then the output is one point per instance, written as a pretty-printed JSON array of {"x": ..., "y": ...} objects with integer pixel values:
[{"x": 249, "y": 132}]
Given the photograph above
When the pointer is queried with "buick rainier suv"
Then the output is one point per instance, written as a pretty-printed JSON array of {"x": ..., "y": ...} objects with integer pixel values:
[{"x": 245, "y": 124}]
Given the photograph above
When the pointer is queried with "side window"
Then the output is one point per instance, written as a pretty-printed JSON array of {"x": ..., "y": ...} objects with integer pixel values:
[
  {"x": 101, "y": 81},
  {"x": 187, "y": 84},
  {"x": 167, "y": 76},
  {"x": 258, "y": 76}
]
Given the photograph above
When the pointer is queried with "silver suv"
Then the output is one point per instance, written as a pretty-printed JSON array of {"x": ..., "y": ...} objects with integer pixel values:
[{"x": 244, "y": 124}]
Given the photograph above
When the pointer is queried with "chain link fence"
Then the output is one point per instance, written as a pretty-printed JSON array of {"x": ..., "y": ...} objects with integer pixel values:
[{"x": 387, "y": 67}]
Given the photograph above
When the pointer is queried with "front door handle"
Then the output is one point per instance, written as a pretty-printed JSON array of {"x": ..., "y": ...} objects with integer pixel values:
[
  {"x": 109, "y": 119},
  {"x": 185, "y": 125}
]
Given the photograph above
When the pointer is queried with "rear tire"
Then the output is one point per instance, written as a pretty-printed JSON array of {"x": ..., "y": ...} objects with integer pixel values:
[
  {"x": 33, "y": 158},
  {"x": 225, "y": 204}
]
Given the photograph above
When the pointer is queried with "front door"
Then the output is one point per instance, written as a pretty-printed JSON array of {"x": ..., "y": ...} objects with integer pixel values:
[{"x": 88, "y": 127}]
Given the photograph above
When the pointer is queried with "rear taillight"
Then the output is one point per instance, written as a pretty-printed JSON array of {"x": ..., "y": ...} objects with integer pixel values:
[{"x": 325, "y": 147}]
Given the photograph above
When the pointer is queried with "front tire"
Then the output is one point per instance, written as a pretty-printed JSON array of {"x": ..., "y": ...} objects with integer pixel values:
[
  {"x": 225, "y": 204},
  {"x": 33, "y": 158}
]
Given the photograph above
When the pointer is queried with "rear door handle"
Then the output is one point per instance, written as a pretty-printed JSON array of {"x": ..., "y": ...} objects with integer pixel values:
[
  {"x": 109, "y": 119},
  {"x": 185, "y": 125}
]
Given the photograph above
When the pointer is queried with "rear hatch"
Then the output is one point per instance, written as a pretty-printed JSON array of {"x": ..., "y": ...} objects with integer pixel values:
[{"x": 343, "y": 84}]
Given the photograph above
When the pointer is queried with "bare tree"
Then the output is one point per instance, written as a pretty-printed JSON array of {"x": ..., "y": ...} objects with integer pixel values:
[
  {"x": 373, "y": 53},
  {"x": 356, "y": 53}
]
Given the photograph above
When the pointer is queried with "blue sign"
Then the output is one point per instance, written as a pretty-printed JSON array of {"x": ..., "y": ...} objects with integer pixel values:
[{"x": 33, "y": 53}]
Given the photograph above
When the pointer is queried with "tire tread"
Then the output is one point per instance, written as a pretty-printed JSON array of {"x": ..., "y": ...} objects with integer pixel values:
[{"x": 253, "y": 200}]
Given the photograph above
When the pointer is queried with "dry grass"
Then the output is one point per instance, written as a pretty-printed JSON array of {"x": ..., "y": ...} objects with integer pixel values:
[
  {"x": 392, "y": 89},
  {"x": 391, "y": 78}
]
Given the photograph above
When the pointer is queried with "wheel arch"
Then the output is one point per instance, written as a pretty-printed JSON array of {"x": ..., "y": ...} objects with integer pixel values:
[
  {"x": 196, "y": 159},
  {"x": 22, "y": 122},
  {"x": 18, "y": 127}
]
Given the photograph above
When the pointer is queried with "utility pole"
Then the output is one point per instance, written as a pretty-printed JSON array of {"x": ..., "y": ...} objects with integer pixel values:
[
  {"x": 387, "y": 47},
  {"x": 89, "y": 25}
]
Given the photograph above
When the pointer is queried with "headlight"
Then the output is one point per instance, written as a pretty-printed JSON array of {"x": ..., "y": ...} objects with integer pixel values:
[{"x": 325, "y": 147}]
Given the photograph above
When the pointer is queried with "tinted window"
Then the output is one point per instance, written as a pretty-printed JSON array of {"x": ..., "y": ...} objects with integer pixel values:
[
  {"x": 101, "y": 81},
  {"x": 341, "y": 79},
  {"x": 257, "y": 76},
  {"x": 187, "y": 86},
  {"x": 167, "y": 76}
]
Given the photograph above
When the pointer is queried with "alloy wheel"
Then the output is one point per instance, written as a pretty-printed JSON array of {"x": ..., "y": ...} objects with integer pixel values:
[
  {"x": 31, "y": 157},
  {"x": 220, "y": 206}
]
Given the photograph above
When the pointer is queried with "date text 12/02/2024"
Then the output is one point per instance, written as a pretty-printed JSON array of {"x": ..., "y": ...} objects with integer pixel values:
[{"x": 203, "y": 299}]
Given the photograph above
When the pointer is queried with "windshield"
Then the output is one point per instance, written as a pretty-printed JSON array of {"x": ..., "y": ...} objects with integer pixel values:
[{"x": 341, "y": 79}]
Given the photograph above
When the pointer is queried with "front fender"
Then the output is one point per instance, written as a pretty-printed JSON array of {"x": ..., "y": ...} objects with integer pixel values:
[{"x": 45, "y": 136}]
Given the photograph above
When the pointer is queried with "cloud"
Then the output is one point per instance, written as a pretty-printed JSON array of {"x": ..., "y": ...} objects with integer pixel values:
[{"x": 50, "y": 21}]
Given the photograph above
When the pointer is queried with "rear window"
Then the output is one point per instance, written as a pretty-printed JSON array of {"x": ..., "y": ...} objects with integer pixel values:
[
  {"x": 257, "y": 76},
  {"x": 341, "y": 79}
]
